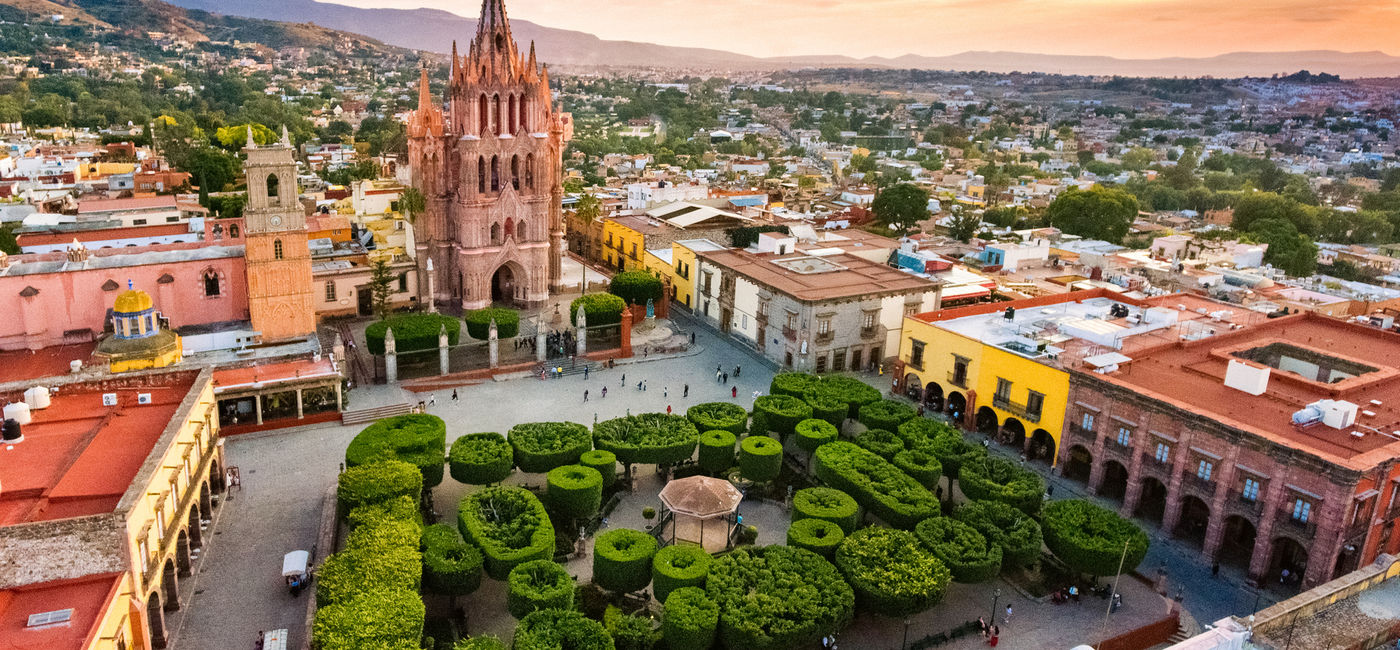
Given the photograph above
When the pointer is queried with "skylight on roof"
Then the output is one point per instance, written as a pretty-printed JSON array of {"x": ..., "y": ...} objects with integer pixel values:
[{"x": 50, "y": 618}]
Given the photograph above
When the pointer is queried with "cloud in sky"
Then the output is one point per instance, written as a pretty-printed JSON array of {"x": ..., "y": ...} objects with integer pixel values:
[{"x": 1121, "y": 28}]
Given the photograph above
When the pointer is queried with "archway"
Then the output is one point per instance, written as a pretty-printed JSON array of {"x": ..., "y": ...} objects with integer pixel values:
[
  {"x": 1195, "y": 517},
  {"x": 503, "y": 285},
  {"x": 1288, "y": 554},
  {"x": 182, "y": 553},
  {"x": 957, "y": 405},
  {"x": 155, "y": 618},
  {"x": 913, "y": 387},
  {"x": 1115, "y": 480},
  {"x": 986, "y": 421},
  {"x": 1152, "y": 503},
  {"x": 206, "y": 500},
  {"x": 196, "y": 533},
  {"x": 933, "y": 396},
  {"x": 1042, "y": 446},
  {"x": 1013, "y": 433},
  {"x": 1079, "y": 464},
  {"x": 169, "y": 586},
  {"x": 1237, "y": 545}
]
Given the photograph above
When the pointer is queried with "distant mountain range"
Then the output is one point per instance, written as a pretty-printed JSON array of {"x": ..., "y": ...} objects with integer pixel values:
[{"x": 434, "y": 30}]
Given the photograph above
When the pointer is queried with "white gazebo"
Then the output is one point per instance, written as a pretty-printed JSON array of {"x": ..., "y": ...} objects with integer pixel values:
[{"x": 703, "y": 510}]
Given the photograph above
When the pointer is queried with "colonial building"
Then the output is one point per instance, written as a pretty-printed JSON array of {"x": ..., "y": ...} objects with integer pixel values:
[
  {"x": 280, "y": 301},
  {"x": 489, "y": 166}
]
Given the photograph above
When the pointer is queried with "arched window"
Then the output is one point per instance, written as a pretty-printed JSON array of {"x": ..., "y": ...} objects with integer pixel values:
[
  {"x": 495, "y": 233},
  {"x": 524, "y": 115},
  {"x": 211, "y": 283},
  {"x": 496, "y": 113},
  {"x": 482, "y": 113},
  {"x": 520, "y": 231},
  {"x": 233, "y": 230},
  {"x": 272, "y": 187},
  {"x": 530, "y": 170},
  {"x": 481, "y": 175},
  {"x": 515, "y": 172},
  {"x": 510, "y": 116},
  {"x": 277, "y": 249},
  {"x": 495, "y": 174},
  {"x": 510, "y": 228}
]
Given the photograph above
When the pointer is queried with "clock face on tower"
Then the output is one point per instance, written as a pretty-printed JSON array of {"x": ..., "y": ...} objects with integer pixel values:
[{"x": 275, "y": 221}]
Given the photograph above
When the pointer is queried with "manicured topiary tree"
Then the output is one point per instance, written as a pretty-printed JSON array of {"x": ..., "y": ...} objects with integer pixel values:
[
  {"x": 677, "y": 566},
  {"x": 891, "y": 573},
  {"x": 726, "y": 416},
  {"x": 412, "y": 332},
  {"x": 954, "y": 452},
  {"x": 966, "y": 552},
  {"x": 813, "y": 433},
  {"x": 479, "y": 323},
  {"x": 552, "y": 629},
  {"x": 827, "y": 504},
  {"x": 886, "y": 414},
  {"x": 816, "y": 535},
  {"x": 622, "y": 559},
  {"x": 602, "y": 308},
  {"x": 779, "y": 414},
  {"x": 351, "y": 573},
  {"x": 509, "y": 525},
  {"x": 792, "y": 384},
  {"x": 854, "y": 392},
  {"x": 537, "y": 585},
  {"x": 400, "y": 508},
  {"x": 575, "y": 492},
  {"x": 920, "y": 465},
  {"x": 690, "y": 620},
  {"x": 481, "y": 459},
  {"x": 380, "y": 618},
  {"x": 760, "y": 458},
  {"x": 777, "y": 597},
  {"x": 542, "y": 446},
  {"x": 376, "y": 482},
  {"x": 604, "y": 461},
  {"x": 717, "y": 451},
  {"x": 630, "y": 631},
  {"x": 647, "y": 438},
  {"x": 420, "y": 439},
  {"x": 1014, "y": 531},
  {"x": 998, "y": 479},
  {"x": 450, "y": 565},
  {"x": 920, "y": 432},
  {"x": 875, "y": 483},
  {"x": 827, "y": 406},
  {"x": 1090, "y": 539},
  {"x": 881, "y": 442},
  {"x": 636, "y": 287}
]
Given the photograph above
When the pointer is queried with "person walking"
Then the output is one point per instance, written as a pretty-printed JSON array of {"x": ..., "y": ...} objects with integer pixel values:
[
  {"x": 685, "y": 392},
  {"x": 454, "y": 394},
  {"x": 726, "y": 378},
  {"x": 1007, "y": 619},
  {"x": 692, "y": 338},
  {"x": 718, "y": 373},
  {"x": 605, "y": 392},
  {"x": 734, "y": 391},
  {"x": 665, "y": 391},
  {"x": 624, "y": 379},
  {"x": 639, "y": 386},
  {"x": 585, "y": 373},
  {"x": 736, "y": 372},
  {"x": 668, "y": 409},
  {"x": 585, "y": 394},
  {"x": 644, "y": 385},
  {"x": 432, "y": 399}
]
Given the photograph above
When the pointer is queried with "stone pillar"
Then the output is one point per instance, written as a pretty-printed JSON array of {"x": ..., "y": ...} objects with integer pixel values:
[
  {"x": 626, "y": 333},
  {"x": 442, "y": 350},
  {"x": 339, "y": 348},
  {"x": 299, "y": 405},
  {"x": 432, "y": 301},
  {"x": 1215, "y": 527},
  {"x": 257, "y": 406},
  {"x": 1096, "y": 464},
  {"x": 1171, "y": 514},
  {"x": 391, "y": 358},
  {"x": 339, "y": 398},
  {"x": 540, "y": 352},
  {"x": 970, "y": 417},
  {"x": 493, "y": 346},
  {"x": 581, "y": 332},
  {"x": 1133, "y": 493}
]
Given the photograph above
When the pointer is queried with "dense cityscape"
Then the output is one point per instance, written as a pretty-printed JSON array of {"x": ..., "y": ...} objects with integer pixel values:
[{"x": 329, "y": 341}]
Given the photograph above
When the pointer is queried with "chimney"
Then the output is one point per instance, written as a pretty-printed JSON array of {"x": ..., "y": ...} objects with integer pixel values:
[{"x": 77, "y": 253}]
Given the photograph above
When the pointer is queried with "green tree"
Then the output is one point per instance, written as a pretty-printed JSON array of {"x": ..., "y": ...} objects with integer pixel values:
[
  {"x": 1182, "y": 176},
  {"x": 235, "y": 137},
  {"x": 902, "y": 206},
  {"x": 411, "y": 203},
  {"x": 1096, "y": 213},
  {"x": 1261, "y": 206},
  {"x": 1138, "y": 158},
  {"x": 381, "y": 287},
  {"x": 588, "y": 208},
  {"x": 213, "y": 169},
  {"x": 1289, "y": 250}
]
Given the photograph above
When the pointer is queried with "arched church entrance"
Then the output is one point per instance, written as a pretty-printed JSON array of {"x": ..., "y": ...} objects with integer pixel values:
[{"x": 503, "y": 285}]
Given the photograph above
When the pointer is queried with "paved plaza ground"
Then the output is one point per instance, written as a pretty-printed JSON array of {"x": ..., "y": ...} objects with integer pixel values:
[{"x": 237, "y": 589}]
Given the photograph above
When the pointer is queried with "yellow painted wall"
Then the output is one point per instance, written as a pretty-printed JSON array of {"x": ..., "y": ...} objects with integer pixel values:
[
  {"x": 684, "y": 267},
  {"x": 656, "y": 266},
  {"x": 119, "y": 622},
  {"x": 939, "y": 347},
  {"x": 618, "y": 241}
]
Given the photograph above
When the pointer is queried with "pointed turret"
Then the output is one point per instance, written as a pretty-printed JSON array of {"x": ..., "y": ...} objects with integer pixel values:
[
  {"x": 286, "y": 138},
  {"x": 493, "y": 17},
  {"x": 425, "y": 99},
  {"x": 533, "y": 65},
  {"x": 250, "y": 137}
]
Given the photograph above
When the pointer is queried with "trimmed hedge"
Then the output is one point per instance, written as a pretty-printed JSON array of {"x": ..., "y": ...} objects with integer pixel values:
[
  {"x": 630, "y": 631},
  {"x": 813, "y": 433},
  {"x": 420, "y": 439},
  {"x": 881, "y": 442},
  {"x": 726, "y": 416},
  {"x": 383, "y": 618},
  {"x": 717, "y": 450},
  {"x": 827, "y": 407},
  {"x": 509, "y": 525},
  {"x": 690, "y": 620},
  {"x": 919, "y": 432},
  {"x": 777, "y": 597},
  {"x": 876, "y": 484},
  {"x": 966, "y": 552},
  {"x": 677, "y": 566},
  {"x": 536, "y": 585},
  {"x": 352, "y": 573},
  {"x": 779, "y": 414},
  {"x": 793, "y": 384},
  {"x": 412, "y": 332},
  {"x": 816, "y": 535},
  {"x": 827, "y": 504},
  {"x": 1090, "y": 539},
  {"x": 378, "y": 482},
  {"x": 543, "y": 446},
  {"x": 602, "y": 460},
  {"x": 636, "y": 287},
  {"x": 886, "y": 414},
  {"x": 553, "y": 629},
  {"x": 647, "y": 438},
  {"x": 999, "y": 479},
  {"x": 574, "y": 491},
  {"x": 854, "y": 392},
  {"x": 890, "y": 572},
  {"x": 921, "y": 465},
  {"x": 603, "y": 309},
  {"x": 760, "y": 458},
  {"x": 401, "y": 508},
  {"x": 450, "y": 565},
  {"x": 481, "y": 459},
  {"x": 480, "y": 643},
  {"x": 954, "y": 452},
  {"x": 479, "y": 323},
  {"x": 1014, "y": 531},
  {"x": 622, "y": 559}
]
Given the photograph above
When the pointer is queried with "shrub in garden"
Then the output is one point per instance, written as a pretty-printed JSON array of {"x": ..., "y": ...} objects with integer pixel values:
[
  {"x": 954, "y": 452},
  {"x": 792, "y": 384},
  {"x": 690, "y": 620},
  {"x": 509, "y": 525},
  {"x": 635, "y": 287},
  {"x": 881, "y": 442},
  {"x": 828, "y": 504},
  {"x": 876, "y": 484},
  {"x": 1014, "y": 531},
  {"x": 813, "y": 433},
  {"x": 604, "y": 461},
  {"x": 378, "y": 482},
  {"x": 630, "y": 631},
  {"x": 779, "y": 414},
  {"x": 826, "y": 406},
  {"x": 386, "y": 535},
  {"x": 450, "y": 565},
  {"x": 676, "y": 566},
  {"x": 966, "y": 552},
  {"x": 382, "y": 618},
  {"x": 920, "y": 464},
  {"x": 854, "y": 392},
  {"x": 777, "y": 597},
  {"x": 412, "y": 332},
  {"x": 480, "y": 459},
  {"x": 886, "y": 414},
  {"x": 647, "y": 438},
  {"x": 401, "y": 508},
  {"x": 1089, "y": 538},
  {"x": 816, "y": 535},
  {"x": 479, "y": 323},
  {"x": 622, "y": 559},
  {"x": 602, "y": 308},
  {"x": 543, "y": 446},
  {"x": 480, "y": 643},
  {"x": 536, "y": 585},
  {"x": 717, "y": 451},
  {"x": 726, "y": 416},
  {"x": 760, "y": 458},
  {"x": 420, "y": 439},
  {"x": 919, "y": 432},
  {"x": 553, "y": 629},
  {"x": 351, "y": 573},
  {"x": 890, "y": 572},
  {"x": 998, "y": 479},
  {"x": 575, "y": 491}
]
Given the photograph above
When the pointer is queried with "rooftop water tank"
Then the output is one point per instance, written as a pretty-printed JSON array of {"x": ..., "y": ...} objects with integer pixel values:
[
  {"x": 17, "y": 411},
  {"x": 37, "y": 398},
  {"x": 11, "y": 431}
]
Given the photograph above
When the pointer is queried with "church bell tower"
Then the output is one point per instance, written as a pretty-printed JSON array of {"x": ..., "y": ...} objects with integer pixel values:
[{"x": 276, "y": 256}]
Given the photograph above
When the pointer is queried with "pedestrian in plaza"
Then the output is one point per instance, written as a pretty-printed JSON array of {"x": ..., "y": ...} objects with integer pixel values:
[
  {"x": 1283, "y": 577},
  {"x": 639, "y": 386},
  {"x": 718, "y": 373},
  {"x": 1007, "y": 619},
  {"x": 605, "y": 392},
  {"x": 644, "y": 385},
  {"x": 686, "y": 391},
  {"x": 585, "y": 373},
  {"x": 665, "y": 391},
  {"x": 432, "y": 399},
  {"x": 734, "y": 391},
  {"x": 454, "y": 394},
  {"x": 624, "y": 379},
  {"x": 585, "y": 394},
  {"x": 692, "y": 338},
  {"x": 736, "y": 372},
  {"x": 995, "y": 636},
  {"x": 726, "y": 378},
  {"x": 668, "y": 409},
  {"x": 982, "y": 626}
]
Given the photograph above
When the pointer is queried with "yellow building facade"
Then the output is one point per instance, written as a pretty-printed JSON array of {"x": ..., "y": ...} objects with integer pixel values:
[{"x": 623, "y": 246}]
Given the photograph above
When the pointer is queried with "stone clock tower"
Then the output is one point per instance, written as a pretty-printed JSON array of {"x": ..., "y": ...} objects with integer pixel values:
[{"x": 276, "y": 256}]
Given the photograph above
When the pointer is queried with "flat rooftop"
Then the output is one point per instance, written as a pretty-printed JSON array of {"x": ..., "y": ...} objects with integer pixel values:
[
  {"x": 814, "y": 279},
  {"x": 79, "y": 456},
  {"x": 88, "y": 599}
]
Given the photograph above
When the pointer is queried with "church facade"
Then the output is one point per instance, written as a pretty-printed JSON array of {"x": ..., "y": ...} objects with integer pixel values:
[{"x": 488, "y": 162}]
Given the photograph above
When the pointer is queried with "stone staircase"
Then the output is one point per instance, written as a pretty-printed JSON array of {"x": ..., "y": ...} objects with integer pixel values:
[{"x": 362, "y": 416}]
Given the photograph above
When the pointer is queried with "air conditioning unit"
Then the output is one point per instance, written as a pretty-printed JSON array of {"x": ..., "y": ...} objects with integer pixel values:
[
  {"x": 109, "y": 399},
  {"x": 143, "y": 398}
]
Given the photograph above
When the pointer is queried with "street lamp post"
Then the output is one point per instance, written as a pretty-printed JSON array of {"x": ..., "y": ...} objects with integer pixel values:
[
  {"x": 996, "y": 595},
  {"x": 904, "y": 645}
]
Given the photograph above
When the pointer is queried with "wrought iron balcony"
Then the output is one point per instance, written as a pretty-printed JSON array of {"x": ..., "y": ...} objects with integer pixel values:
[{"x": 1015, "y": 408}]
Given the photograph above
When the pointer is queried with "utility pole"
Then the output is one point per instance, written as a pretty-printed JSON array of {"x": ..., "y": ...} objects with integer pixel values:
[{"x": 1113, "y": 594}]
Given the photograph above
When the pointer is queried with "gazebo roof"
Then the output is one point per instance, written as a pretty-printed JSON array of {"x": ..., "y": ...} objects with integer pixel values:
[{"x": 701, "y": 496}]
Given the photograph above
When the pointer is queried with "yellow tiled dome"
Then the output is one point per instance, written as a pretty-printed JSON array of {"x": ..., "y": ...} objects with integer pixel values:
[{"x": 132, "y": 301}]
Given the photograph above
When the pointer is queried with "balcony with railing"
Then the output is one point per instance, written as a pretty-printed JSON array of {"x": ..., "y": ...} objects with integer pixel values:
[
  {"x": 1015, "y": 408},
  {"x": 1201, "y": 487},
  {"x": 825, "y": 337},
  {"x": 1240, "y": 504},
  {"x": 789, "y": 333},
  {"x": 1287, "y": 521},
  {"x": 1357, "y": 530}
]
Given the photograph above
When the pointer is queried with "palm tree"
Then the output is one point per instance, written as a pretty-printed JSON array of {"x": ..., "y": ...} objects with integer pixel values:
[
  {"x": 411, "y": 203},
  {"x": 588, "y": 207}
]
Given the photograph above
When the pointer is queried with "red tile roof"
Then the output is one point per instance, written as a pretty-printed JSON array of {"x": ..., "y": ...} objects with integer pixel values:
[
  {"x": 23, "y": 365},
  {"x": 89, "y": 597},
  {"x": 272, "y": 373}
]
